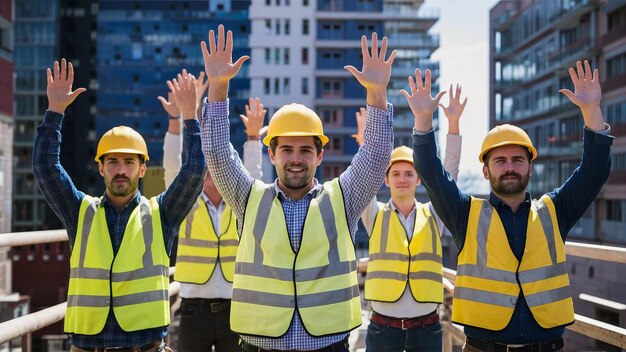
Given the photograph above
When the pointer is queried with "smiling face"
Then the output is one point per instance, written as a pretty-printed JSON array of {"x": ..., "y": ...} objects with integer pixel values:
[
  {"x": 402, "y": 180},
  {"x": 121, "y": 172},
  {"x": 508, "y": 170},
  {"x": 295, "y": 160}
]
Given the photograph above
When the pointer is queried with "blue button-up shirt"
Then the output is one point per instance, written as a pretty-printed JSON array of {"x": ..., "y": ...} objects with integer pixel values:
[
  {"x": 570, "y": 200},
  {"x": 63, "y": 197}
]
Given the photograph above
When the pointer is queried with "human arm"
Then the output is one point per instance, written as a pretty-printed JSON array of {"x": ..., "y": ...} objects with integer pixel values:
[
  {"x": 360, "y": 126},
  {"x": 362, "y": 179},
  {"x": 173, "y": 142},
  {"x": 201, "y": 87},
  {"x": 230, "y": 177},
  {"x": 54, "y": 182},
  {"x": 449, "y": 202},
  {"x": 253, "y": 120},
  {"x": 573, "y": 198},
  {"x": 369, "y": 215},
  {"x": 453, "y": 113}
]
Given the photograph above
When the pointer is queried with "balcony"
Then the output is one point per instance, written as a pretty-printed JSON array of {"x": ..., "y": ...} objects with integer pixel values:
[
  {"x": 612, "y": 35},
  {"x": 408, "y": 70},
  {"x": 614, "y": 82},
  {"x": 570, "y": 12},
  {"x": 414, "y": 40}
]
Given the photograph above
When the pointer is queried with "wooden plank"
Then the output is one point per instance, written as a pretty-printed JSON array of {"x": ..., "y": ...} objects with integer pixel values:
[
  {"x": 599, "y": 330},
  {"x": 596, "y": 251}
]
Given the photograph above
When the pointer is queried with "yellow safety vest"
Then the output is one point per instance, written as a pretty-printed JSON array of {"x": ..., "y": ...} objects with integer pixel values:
[
  {"x": 272, "y": 281},
  {"x": 134, "y": 283},
  {"x": 394, "y": 262},
  {"x": 487, "y": 287},
  {"x": 199, "y": 247}
]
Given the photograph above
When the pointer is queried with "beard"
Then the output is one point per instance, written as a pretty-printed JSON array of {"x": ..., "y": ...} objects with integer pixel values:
[
  {"x": 122, "y": 189},
  {"x": 296, "y": 181},
  {"x": 509, "y": 186}
]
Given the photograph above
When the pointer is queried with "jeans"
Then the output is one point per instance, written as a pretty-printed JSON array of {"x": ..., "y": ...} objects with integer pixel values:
[
  {"x": 200, "y": 328},
  {"x": 427, "y": 338}
]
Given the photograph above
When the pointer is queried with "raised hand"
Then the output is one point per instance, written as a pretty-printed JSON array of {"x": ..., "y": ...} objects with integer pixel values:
[
  {"x": 587, "y": 94},
  {"x": 421, "y": 102},
  {"x": 218, "y": 63},
  {"x": 254, "y": 118},
  {"x": 169, "y": 105},
  {"x": 360, "y": 126},
  {"x": 201, "y": 87},
  {"x": 454, "y": 109},
  {"x": 184, "y": 91},
  {"x": 59, "y": 91},
  {"x": 376, "y": 71}
]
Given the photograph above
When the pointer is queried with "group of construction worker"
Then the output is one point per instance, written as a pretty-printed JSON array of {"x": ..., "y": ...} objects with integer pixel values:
[{"x": 272, "y": 267}]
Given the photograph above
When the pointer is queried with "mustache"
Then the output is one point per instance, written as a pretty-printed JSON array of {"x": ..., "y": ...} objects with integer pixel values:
[
  {"x": 515, "y": 174},
  {"x": 121, "y": 177}
]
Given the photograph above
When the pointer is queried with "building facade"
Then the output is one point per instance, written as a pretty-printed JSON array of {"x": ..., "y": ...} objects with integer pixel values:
[
  {"x": 532, "y": 45},
  {"x": 142, "y": 44}
]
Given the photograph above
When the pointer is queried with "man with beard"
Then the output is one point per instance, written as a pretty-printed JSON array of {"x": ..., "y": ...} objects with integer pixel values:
[
  {"x": 120, "y": 242},
  {"x": 512, "y": 287},
  {"x": 295, "y": 286}
]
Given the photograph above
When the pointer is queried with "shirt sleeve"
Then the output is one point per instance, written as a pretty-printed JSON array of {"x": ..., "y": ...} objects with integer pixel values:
[
  {"x": 363, "y": 178},
  {"x": 229, "y": 175},
  {"x": 54, "y": 182},
  {"x": 453, "y": 155},
  {"x": 451, "y": 205},
  {"x": 369, "y": 215},
  {"x": 252, "y": 159},
  {"x": 172, "y": 159},
  {"x": 572, "y": 199},
  {"x": 178, "y": 199}
]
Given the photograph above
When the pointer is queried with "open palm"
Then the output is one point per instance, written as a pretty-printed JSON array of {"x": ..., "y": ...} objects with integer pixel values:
[
  {"x": 218, "y": 58},
  {"x": 59, "y": 90}
]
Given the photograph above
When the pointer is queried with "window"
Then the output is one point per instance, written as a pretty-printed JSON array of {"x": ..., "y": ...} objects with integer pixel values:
[
  {"x": 266, "y": 86},
  {"x": 276, "y": 86},
  {"x": 332, "y": 89},
  {"x": 332, "y": 117},
  {"x": 268, "y": 2},
  {"x": 305, "y": 56},
  {"x": 287, "y": 26},
  {"x": 286, "y": 56},
  {"x": 305, "y": 85},
  {"x": 277, "y": 27},
  {"x": 335, "y": 144},
  {"x": 305, "y": 2},
  {"x": 268, "y": 55},
  {"x": 276, "y": 56},
  {"x": 331, "y": 171},
  {"x": 268, "y": 26},
  {"x": 286, "y": 89},
  {"x": 305, "y": 26}
]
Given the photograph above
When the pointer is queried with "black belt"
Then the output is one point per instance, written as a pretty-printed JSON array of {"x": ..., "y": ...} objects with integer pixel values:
[
  {"x": 490, "y": 346},
  {"x": 337, "y": 346},
  {"x": 144, "y": 348},
  {"x": 213, "y": 305}
]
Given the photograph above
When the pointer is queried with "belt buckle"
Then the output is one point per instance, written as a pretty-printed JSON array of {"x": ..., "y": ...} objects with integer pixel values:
[
  {"x": 514, "y": 347},
  {"x": 403, "y": 327},
  {"x": 118, "y": 348},
  {"x": 217, "y": 307}
]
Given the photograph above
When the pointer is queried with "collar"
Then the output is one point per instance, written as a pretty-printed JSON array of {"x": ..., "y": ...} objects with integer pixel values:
[
  {"x": 499, "y": 203},
  {"x": 206, "y": 200},
  {"x": 394, "y": 208},
  {"x": 283, "y": 196},
  {"x": 135, "y": 200}
]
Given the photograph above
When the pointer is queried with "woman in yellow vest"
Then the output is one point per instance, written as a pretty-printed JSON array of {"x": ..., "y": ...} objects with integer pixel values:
[
  {"x": 512, "y": 287},
  {"x": 404, "y": 273},
  {"x": 120, "y": 242},
  {"x": 208, "y": 241}
]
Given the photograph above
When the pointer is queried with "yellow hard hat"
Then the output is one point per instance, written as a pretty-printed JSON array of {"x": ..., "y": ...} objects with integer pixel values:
[
  {"x": 507, "y": 135},
  {"x": 295, "y": 120},
  {"x": 401, "y": 153},
  {"x": 122, "y": 139}
]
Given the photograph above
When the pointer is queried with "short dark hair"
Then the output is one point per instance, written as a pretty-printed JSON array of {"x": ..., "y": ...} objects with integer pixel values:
[
  {"x": 316, "y": 140},
  {"x": 529, "y": 156},
  {"x": 142, "y": 160}
]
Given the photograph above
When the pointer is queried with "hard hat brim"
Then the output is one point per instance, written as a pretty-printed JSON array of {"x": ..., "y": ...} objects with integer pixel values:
[
  {"x": 125, "y": 151},
  {"x": 395, "y": 160},
  {"x": 269, "y": 138},
  {"x": 531, "y": 149}
]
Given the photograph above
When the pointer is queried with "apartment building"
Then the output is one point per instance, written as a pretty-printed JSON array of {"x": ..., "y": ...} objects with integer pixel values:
[{"x": 532, "y": 44}]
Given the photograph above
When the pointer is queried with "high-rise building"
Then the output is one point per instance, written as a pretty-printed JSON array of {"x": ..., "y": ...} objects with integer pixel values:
[
  {"x": 532, "y": 45},
  {"x": 6, "y": 135},
  {"x": 141, "y": 44},
  {"x": 299, "y": 49}
]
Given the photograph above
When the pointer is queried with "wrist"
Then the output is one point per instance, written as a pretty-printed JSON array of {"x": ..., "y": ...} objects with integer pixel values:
[
  {"x": 377, "y": 97},
  {"x": 174, "y": 117},
  {"x": 59, "y": 109},
  {"x": 254, "y": 137},
  {"x": 189, "y": 115}
]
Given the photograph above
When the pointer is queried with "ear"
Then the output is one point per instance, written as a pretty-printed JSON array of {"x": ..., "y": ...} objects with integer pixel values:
[
  {"x": 530, "y": 169},
  {"x": 142, "y": 170},
  {"x": 418, "y": 182},
  {"x": 386, "y": 181},
  {"x": 101, "y": 168},
  {"x": 272, "y": 157},
  {"x": 319, "y": 158},
  {"x": 485, "y": 172}
]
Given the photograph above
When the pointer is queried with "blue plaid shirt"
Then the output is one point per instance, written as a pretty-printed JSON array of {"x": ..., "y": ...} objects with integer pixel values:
[
  {"x": 359, "y": 184},
  {"x": 63, "y": 197}
]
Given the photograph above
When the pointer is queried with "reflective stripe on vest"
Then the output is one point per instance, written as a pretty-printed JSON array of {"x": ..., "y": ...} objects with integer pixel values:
[
  {"x": 487, "y": 288},
  {"x": 135, "y": 286},
  {"x": 272, "y": 281},
  {"x": 395, "y": 262},
  {"x": 199, "y": 247}
]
